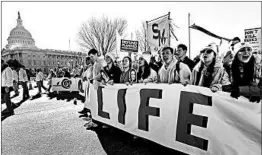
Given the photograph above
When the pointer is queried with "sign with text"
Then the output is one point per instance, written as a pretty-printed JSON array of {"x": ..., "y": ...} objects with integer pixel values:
[
  {"x": 68, "y": 84},
  {"x": 253, "y": 37},
  {"x": 129, "y": 45},
  {"x": 189, "y": 119},
  {"x": 158, "y": 33}
]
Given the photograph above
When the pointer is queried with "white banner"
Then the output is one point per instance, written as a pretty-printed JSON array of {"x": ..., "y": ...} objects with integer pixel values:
[
  {"x": 189, "y": 119},
  {"x": 68, "y": 84},
  {"x": 158, "y": 33},
  {"x": 253, "y": 37}
]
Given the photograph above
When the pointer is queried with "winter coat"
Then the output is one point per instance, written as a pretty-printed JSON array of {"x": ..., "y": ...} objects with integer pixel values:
[
  {"x": 172, "y": 74},
  {"x": 219, "y": 76},
  {"x": 7, "y": 80},
  {"x": 151, "y": 78},
  {"x": 114, "y": 73}
]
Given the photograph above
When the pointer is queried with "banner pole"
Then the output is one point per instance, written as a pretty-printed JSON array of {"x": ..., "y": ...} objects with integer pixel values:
[
  {"x": 189, "y": 39},
  {"x": 169, "y": 35},
  {"x": 146, "y": 36}
]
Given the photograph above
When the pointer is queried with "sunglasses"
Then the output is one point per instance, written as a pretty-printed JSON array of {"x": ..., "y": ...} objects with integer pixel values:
[
  {"x": 254, "y": 52},
  {"x": 247, "y": 49},
  {"x": 208, "y": 51}
]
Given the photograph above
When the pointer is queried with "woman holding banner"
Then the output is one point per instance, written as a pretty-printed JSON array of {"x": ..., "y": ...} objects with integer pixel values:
[
  {"x": 145, "y": 73},
  {"x": 113, "y": 72},
  {"x": 127, "y": 66},
  {"x": 246, "y": 73},
  {"x": 209, "y": 72}
]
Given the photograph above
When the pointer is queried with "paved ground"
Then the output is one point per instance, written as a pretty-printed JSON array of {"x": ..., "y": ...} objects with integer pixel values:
[{"x": 45, "y": 126}]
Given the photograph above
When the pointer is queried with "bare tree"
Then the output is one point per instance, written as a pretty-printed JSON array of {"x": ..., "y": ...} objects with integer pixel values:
[
  {"x": 141, "y": 37},
  {"x": 100, "y": 34}
]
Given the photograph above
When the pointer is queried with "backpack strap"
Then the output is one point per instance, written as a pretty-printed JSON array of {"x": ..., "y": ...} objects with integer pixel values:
[{"x": 178, "y": 70}]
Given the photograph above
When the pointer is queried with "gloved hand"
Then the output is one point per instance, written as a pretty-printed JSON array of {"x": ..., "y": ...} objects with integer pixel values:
[
  {"x": 235, "y": 93},
  {"x": 255, "y": 99}
]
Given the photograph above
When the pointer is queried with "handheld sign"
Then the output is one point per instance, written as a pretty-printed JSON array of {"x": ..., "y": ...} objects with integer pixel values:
[{"x": 129, "y": 45}]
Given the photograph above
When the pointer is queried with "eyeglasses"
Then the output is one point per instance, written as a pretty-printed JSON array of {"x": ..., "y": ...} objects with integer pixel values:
[
  {"x": 140, "y": 59},
  {"x": 208, "y": 51}
]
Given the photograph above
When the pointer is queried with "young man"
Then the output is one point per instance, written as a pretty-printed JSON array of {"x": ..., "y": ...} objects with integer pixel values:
[
  {"x": 173, "y": 71},
  {"x": 24, "y": 79},
  {"x": 39, "y": 81},
  {"x": 181, "y": 56},
  {"x": 87, "y": 75},
  {"x": 99, "y": 64},
  {"x": 7, "y": 84}
]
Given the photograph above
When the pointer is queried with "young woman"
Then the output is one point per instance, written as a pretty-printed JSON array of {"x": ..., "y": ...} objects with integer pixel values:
[
  {"x": 111, "y": 73},
  {"x": 209, "y": 72},
  {"x": 125, "y": 76},
  {"x": 246, "y": 71},
  {"x": 145, "y": 73}
]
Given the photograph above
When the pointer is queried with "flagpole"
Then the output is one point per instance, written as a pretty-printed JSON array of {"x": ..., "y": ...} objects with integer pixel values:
[
  {"x": 169, "y": 35},
  {"x": 146, "y": 36},
  {"x": 189, "y": 39}
]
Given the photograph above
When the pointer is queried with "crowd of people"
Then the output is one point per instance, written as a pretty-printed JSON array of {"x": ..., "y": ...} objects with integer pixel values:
[{"x": 237, "y": 72}]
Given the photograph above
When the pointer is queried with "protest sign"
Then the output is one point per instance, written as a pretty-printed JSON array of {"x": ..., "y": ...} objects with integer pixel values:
[
  {"x": 158, "y": 33},
  {"x": 253, "y": 37},
  {"x": 189, "y": 119},
  {"x": 129, "y": 45}
]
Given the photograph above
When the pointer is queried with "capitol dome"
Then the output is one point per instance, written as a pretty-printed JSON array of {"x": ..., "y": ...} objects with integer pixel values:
[{"x": 20, "y": 37}]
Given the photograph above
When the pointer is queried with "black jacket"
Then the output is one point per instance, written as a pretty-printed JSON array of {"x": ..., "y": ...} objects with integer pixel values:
[
  {"x": 114, "y": 73},
  {"x": 189, "y": 63}
]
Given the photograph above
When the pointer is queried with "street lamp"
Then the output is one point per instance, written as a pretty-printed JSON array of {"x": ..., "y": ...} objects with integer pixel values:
[{"x": 58, "y": 64}]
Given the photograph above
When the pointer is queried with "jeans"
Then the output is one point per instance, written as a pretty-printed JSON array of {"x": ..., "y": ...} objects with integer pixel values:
[
  {"x": 25, "y": 90},
  {"x": 7, "y": 100},
  {"x": 40, "y": 85},
  {"x": 15, "y": 86}
]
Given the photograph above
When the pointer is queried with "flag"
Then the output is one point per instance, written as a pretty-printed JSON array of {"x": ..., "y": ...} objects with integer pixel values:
[
  {"x": 196, "y": 27},
  {"x": 158, "y": 33}
]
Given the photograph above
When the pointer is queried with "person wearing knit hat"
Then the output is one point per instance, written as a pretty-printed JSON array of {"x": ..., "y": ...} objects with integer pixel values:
[
  {"x": 111, "y": 70},
  {"x": 145, "y": 73},
  {"x": 246, "y": 72},
  {"x": 209, "y": 72}
]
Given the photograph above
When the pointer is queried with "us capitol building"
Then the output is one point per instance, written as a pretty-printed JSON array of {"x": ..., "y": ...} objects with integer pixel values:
[{"x": 21, "y": 46}]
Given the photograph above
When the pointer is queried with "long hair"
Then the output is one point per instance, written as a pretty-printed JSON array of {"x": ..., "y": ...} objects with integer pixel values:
[
  {"x": 248, "y": 71},
  {"x": 209, "y": 73},
  {"x": 146, "y": 73}
]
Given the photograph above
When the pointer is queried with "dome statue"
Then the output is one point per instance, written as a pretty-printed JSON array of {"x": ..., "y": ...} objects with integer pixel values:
[{"x": 20, "y": 37}]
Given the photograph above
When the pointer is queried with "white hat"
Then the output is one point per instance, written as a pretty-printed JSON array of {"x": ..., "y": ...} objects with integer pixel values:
[
  {"x": 111, "y": 56},
  {"x": 241, "y": 45},
  {"x": 144, "y": 57},
  {"x": 213, "y": 47}
]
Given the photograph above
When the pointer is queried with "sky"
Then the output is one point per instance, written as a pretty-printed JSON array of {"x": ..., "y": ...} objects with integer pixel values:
[{"x": 52, "y": 24}]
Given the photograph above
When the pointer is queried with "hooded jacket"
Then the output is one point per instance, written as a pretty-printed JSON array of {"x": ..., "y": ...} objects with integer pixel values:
[
  {"x": 219, "y": 76},
  {"x": 171, "y": 74}
]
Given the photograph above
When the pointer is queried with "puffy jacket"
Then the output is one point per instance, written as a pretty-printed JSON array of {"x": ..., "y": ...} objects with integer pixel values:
[{"x": 219, "y": 76}]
